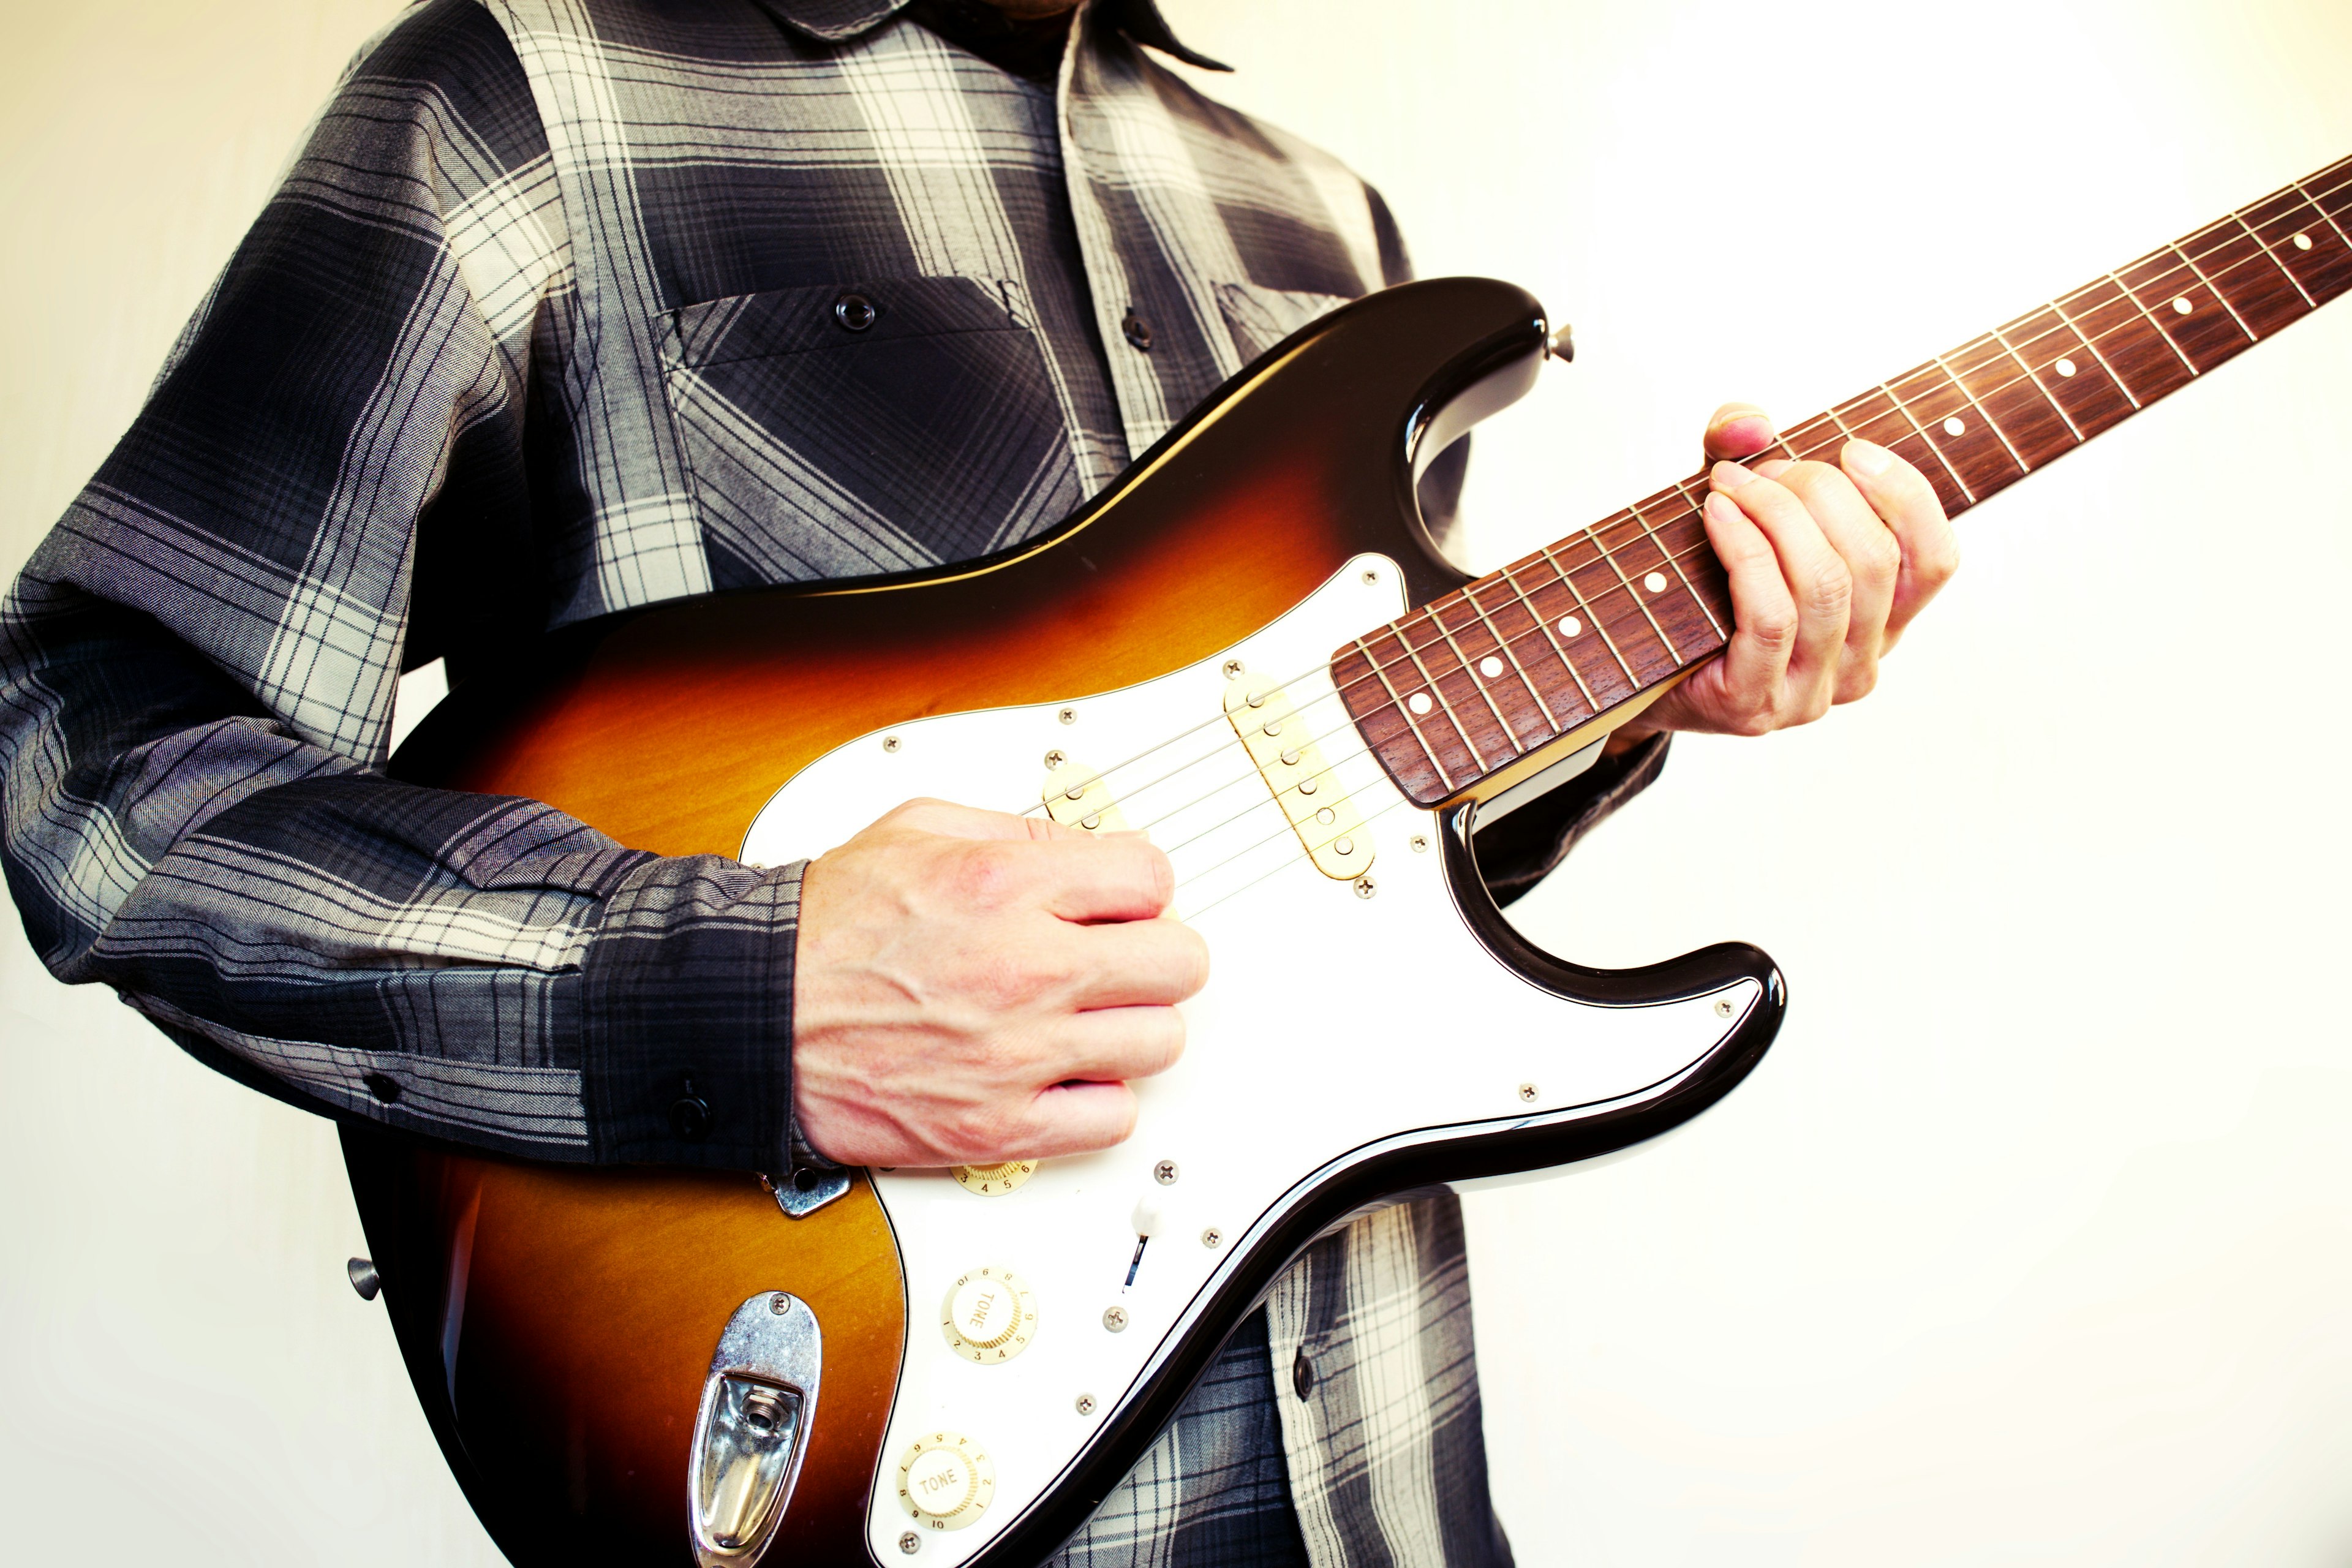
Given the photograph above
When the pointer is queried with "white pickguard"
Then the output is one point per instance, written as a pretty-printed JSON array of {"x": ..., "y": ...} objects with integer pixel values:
[{"x": 1331, "y": 1022}]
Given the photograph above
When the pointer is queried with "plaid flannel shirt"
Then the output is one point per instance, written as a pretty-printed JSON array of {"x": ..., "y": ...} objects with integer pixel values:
[{"x": 538, "y": 327}]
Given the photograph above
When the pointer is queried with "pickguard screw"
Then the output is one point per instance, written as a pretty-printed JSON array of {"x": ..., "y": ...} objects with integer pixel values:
[
  {"x": 1068, "y": 715},
  {"x": 780, "y": 1303},
  {"x": 889, "y": 742},
  {"x": 1086, "y": 1405},
  {"x": 1419, "y": 842},
  {"x": 1723, "y": 1007},
  {"x": 1115, "y": 1318},
  {"x": 1211, "y": 1237},
  {"x": 1232, "y": 669},
  {"x": 910, "y": 1543},
  {"x": 1366, "y": 887},
  {"x": 1164, "y": 1173},
  {"x": 1055, "y": 760},
  {"x": 1528, "y": 1091},
  {"x": 1371, "y": 578}
]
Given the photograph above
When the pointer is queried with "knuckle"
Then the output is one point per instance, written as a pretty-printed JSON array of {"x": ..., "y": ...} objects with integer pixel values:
[
  {"x": 987, "y": 873},
  {"x": 1882, "y": 559},
  {"x": 1757, "y": 721},
  {"x": 1831, "y": 588},
  {"x": 1775, "y": 628}
]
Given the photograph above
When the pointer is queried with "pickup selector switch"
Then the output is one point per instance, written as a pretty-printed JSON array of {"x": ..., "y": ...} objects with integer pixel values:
[
  {"x": 990, "y": 1316},
  {"x": 945, "y": 1481}
]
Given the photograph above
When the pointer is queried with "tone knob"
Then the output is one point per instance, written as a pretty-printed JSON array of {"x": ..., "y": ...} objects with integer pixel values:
[
  {"x": 994, "y": 1181},
  {"x": 989, "y": 1316},
  {"x": 945, "y": 1481}
]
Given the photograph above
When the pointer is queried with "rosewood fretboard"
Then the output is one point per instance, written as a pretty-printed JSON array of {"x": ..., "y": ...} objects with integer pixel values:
[{"x": 1464, "y": 687}]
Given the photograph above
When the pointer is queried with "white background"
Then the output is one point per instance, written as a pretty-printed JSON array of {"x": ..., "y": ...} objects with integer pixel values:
[{"x": 2029, "y": 1242}]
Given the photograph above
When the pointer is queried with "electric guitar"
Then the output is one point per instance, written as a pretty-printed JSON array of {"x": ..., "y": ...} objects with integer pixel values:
[{"x": 1250, "y": 645}]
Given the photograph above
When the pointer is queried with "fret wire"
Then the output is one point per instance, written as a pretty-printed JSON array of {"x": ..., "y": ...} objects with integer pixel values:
[
  {"x": 1438, "y": 691},
  {"x": 2092, "y": 344},
  {"x": 1468, "y": 591},
  {"x": 1379, "y": 669},
  {"x": 2035, "y": 377},
  {"x": 1510, "y": 736},
  {"x": 1544, "y": 625},
  {"x": 1699, "y": 511},
  {"x": 2003, "y": 435},
  {"x": 2143, "y": 311},
  {"x": 2324, "y": 216},
  {"x": 2284, "y": 272},
  {"x": 1903, "y": 409},
  {"x": 1664, "y": 641},
  {"x": 1633, "y": 681},
  {"x": 2251, "y": 336}
]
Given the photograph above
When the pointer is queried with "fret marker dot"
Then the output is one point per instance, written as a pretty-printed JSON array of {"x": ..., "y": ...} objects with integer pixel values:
[
  {"x": 1655, "y": 582},
  {"x": 1569, "y": 627},
  {"x": 1955, "y": 426},
  {"x": 1490, "y": 666},
  {"x": 2065, "y": 367},
  {"x": 1419, "y": 702},
  {"x": 2302, "y": 242},
  {"x": 2181, "y": 305}
]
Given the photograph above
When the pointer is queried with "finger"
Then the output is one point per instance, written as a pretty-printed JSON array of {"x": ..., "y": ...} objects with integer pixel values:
[
  {"x": 1074, "y": 1119},
  {"x": 1737, "y": 430},
  {"x": 1113, "y": 1045},
  {"x": 1124, "y": 877},
  {"x": 949, "y": 820},
  {"x": 1817, "y": 581},
  {"x": 1138, "y": 962},
  {"x": 1901, "y": 494},
  {"x": 1764, "y": 620},
  {"x": 1872, "y": 557}
]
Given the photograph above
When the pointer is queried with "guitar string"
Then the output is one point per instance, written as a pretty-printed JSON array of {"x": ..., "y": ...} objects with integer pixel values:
[
  {"x": 1367, "y": 819},
  {"x": 1786, "y": 440},
  {"x": 1632, "y": 516}
]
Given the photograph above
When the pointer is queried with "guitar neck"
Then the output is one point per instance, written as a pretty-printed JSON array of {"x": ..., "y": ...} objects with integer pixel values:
[{"x": 1554, "y": 645}]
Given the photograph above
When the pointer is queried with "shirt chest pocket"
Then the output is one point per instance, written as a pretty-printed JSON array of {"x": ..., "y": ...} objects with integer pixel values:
[{"x": 842, "y": 430}]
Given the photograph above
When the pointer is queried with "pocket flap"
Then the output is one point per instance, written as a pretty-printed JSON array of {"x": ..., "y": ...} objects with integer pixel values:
[{"x": 820, "y": 316}]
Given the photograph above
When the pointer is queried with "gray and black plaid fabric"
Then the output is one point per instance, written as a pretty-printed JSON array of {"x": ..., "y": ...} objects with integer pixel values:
[{"x": 541, "y": 325}]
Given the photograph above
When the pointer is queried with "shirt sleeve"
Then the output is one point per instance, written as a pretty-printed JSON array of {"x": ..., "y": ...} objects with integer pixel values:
[{"x": 197, "y": 668}]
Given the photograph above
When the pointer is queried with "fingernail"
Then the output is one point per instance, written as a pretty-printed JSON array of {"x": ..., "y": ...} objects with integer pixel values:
[
  {"x": 1724, "y": 508},
  {"x": 1868, "y": 457},
  {"x": 1730, "y": 476}
]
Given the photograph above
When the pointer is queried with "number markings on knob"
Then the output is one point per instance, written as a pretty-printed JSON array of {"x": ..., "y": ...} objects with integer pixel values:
[
  {"x": 990, "y": 1316},
  {"x": 945, "y": 1481}
]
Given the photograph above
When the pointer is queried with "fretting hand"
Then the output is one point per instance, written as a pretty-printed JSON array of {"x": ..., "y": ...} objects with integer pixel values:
[
  {"x": 971, "y": 986},
  {"x": 1828, "y": 564}
]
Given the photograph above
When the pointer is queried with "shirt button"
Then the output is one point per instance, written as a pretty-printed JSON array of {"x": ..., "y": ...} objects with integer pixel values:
[
  {"x": 854, "y": 312},
  {"x": 690, "y": 1114},
  {"x": 384, "y": 1086},
  {"x": 1137, "y": 331},
  {"x": 1302, "y": 1375}
]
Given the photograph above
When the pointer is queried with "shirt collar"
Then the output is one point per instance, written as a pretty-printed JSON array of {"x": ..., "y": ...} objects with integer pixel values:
[{"x": 837, "y": 21}]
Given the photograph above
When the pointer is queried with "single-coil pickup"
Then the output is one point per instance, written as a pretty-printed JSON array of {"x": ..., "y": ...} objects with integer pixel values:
[
  {"x": 1278, "y": 740},
  {"x": 1077, "y": 798}
]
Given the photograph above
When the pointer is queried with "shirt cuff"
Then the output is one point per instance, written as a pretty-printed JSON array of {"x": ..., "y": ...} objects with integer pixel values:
[
  {"x": 687, "y": 992},
  {"x": 1526, "y": 846}
]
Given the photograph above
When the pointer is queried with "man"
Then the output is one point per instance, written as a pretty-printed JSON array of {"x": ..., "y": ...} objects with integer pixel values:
[{"x": 461, "y": 386}]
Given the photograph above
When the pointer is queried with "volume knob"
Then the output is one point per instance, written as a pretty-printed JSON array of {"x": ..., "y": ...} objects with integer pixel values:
[{"x": 945, "y": 1481}]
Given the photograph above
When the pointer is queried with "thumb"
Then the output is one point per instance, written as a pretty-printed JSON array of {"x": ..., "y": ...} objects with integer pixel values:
[{"x": 1737, "y": 430}]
